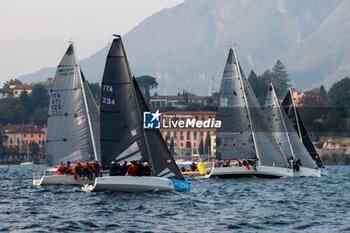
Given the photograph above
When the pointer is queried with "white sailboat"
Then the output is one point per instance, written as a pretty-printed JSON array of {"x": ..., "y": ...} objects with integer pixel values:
[
  {"x": 287, "y": 137},
  {"x": 123, "y": 137},
  {"x": 73, "y": 121},
  {"x": 245, "y": 133}
]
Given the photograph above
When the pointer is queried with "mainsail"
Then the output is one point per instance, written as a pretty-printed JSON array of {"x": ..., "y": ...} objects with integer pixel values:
[
  {"x": 122, "y": 137},
  {"x": 122, "y": 133},
  {"x": 245, "y": 132},
  {"x": 294, "y": 117},
  {"x": 284, "y": 132},
  {"x": 69, "y": 136}
]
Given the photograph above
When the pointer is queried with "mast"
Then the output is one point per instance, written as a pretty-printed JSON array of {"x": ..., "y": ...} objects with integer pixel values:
[
  {"x": 86, "y": 107},
  {"x": 246, "y": 105}
]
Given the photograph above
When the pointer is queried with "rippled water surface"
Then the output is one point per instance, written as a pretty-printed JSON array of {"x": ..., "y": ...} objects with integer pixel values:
[{"x": 213, "y": 205}]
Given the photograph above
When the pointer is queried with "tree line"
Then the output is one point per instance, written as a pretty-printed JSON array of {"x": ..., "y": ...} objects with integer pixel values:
[{"x": 324, "y": 113}]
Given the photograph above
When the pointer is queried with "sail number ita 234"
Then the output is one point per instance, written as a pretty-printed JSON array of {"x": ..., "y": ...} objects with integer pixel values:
[{"x": 106, "y": 100}]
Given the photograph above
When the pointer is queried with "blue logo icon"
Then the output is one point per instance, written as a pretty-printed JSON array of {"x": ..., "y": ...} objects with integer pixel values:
[{"x": 151, "y": 120}]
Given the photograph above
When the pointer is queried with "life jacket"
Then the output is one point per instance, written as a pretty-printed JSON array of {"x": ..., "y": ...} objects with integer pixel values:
[
  {"x": 86, "y": 166},
  {"x": 132, "y": 170},
  {"x": 96, "y": 167},
  {"x": 228, "y": 163},
  {"x": 60, "y": 168},
  {"x": 68, "y": 169},
  {"x": 76, "y": 166},
  {"x": 239, "y": 163}
]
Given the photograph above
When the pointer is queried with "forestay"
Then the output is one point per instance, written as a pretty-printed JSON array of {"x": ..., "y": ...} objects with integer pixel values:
[{"x": 69, "y": 135}]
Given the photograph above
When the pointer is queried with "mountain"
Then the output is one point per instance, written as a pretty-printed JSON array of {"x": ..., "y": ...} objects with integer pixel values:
[{"x": 185, "y": 47}]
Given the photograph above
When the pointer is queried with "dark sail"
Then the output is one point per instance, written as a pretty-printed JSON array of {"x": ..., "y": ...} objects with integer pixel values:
[
  {"x": 162, "y": 162},
  {"x": 2, "y": 148},
  {"x": 122, "y": 136},
  {"x": 294, "y": 117}
]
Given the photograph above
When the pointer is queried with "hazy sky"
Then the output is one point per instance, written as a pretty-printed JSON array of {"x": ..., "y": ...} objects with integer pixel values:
[{"x": 34, "y": 33}]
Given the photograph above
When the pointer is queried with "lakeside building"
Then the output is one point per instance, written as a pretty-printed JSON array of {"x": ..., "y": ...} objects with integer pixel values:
[
  {"x": 22, "y": 135},
  {"x": 187, "y": 140},
  {"x": 18, "y": 89}
]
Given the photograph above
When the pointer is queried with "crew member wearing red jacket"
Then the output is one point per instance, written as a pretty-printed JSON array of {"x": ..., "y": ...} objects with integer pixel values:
[
  {"x": 96, "y": 168},
  {"x": 132, "y": 170},
  {"x": 60, "y": 169},
  {"x": 68, "y": 170},
  {"x": 238, "y": 164}
]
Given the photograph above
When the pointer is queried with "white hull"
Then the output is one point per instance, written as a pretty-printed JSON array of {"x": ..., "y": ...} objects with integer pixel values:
[
  {"x": 61, "y": 180},
  {"x": 131, "y": 184},
  {"x": 26, "y": 163},
  {"x": 307, "y": 172},
  {"x": 260, "y": 171}
]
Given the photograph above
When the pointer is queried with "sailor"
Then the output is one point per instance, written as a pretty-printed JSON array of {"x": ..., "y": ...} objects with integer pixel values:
[
  {"x": 297, "y": 165},
  {"x": 139, "y": 168},
  {"x": 68, "y": 170},
  {"x": 60, "y": 169},
  {"x": 228, "y": 163},
  {"x": 96, "y": 168},
  {"x": 193, "y": 167},
  {"x": 252, "y": 163},
  {"x": 224, "y": 164},
  {"x": 238, "y": 163},
  {"x": 183, "y": 169},
  {"x": 124, "y": 168},
  {"x": 115, "y": 169},
  {"x": 145, "y": 170},
  {"x": 291, "y": 161},
  {"x": 87, "y": 170},
  {"x": 217, "y": 163},
  {"x": 132, "y": 170},
  {"x": 245, "y": 164},
  {"x": 79, "y": 170}
]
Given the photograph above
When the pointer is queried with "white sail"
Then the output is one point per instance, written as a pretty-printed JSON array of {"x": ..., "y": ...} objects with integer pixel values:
[{"x": 69, "y": 134}]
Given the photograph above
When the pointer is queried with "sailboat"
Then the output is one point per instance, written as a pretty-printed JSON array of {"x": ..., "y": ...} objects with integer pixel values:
[
  {"x": 73, "y": 121},
  {"x": 287, "y": 137},
  {"x": 294, "y": 117},
  {"x": 245, "y": 133},
  {"x": 123, "y": 137}
]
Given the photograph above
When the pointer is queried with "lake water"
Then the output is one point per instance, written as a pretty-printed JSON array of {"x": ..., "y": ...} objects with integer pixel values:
[{"x": 213, "y": 205}]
